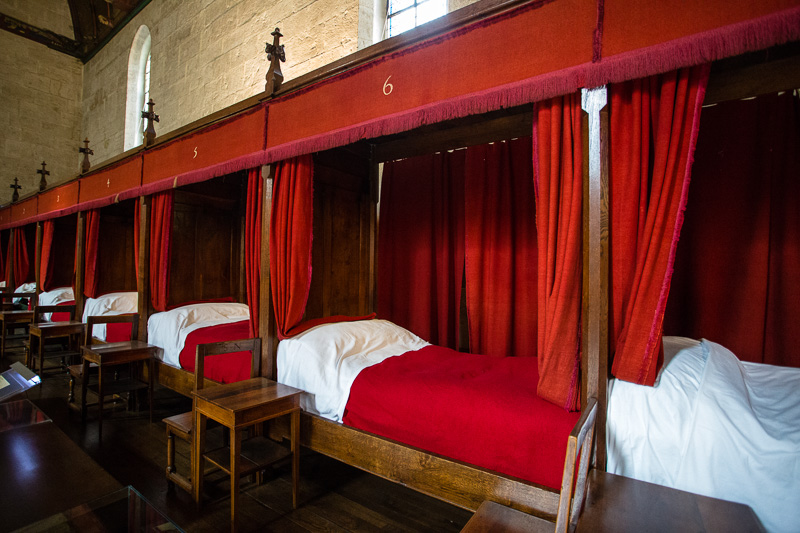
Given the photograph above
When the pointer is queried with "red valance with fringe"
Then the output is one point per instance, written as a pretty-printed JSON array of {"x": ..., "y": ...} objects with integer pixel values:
[
  {"x": 115, "y": 183},
  {"x": 60, "y": 201},
  {"x": 227, "y": 146}
]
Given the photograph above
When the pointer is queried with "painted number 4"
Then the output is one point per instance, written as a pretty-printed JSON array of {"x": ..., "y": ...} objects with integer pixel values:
[{"x": 387, "y": 87}]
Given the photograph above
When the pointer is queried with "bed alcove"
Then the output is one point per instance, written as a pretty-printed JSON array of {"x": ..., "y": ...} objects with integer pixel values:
[{"x": 206, "y": 254}]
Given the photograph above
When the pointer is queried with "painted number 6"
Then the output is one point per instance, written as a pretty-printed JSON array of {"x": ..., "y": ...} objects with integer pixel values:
[{"x": 387, "y": 87}]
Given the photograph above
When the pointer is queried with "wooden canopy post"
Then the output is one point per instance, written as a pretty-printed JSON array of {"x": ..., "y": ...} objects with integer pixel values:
[
  {"x": 143, "y": 280},
  {"x": 275, "y": 54},
  {"x": 594, "y": 339},
  {"x": 37, "y": 267},
  {"x": 266, "y": 317},
  {"x": 80, "y": 264},
  {"x": 86, "y": 151},
  {"x": 150, "y": 131},
  {"x": 10, "y": 262},
  {"x": 16, "y": 186},
  {"x": 44, "y": 173}
]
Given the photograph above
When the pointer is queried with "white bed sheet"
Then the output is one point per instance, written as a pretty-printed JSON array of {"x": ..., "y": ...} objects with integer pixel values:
[
  {"x": 25, "y": 287},
  {"x": 713, "y": 426},
  {"x": 325, "y": 360},
  {"x": 113, "y": 303},
  {"x": 55, "y": 297},
  {"x": 168, "y": 330}
]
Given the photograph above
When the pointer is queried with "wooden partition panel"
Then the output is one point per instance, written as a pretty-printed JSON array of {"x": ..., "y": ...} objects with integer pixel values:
[
  {"x": 341, "y": 258},
  {"x": 115, "y": 254},
  {"x": 205, "y": 256},
  {"x": 63, "y": 251}
]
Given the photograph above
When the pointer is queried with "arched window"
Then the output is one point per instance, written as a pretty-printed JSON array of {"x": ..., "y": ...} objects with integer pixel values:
[
  {"x": 403, "y": 15},
  {"x": 138, "y": 87}
]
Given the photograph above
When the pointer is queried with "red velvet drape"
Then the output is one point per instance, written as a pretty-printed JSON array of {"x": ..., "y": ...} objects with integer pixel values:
[
  {"x": 7, "y": 262},
  {"x": 45, "y": 265},
  {"x": 654, "y": 124},
  {"x": 421, "y": 245},
  {"x": 91, "y": 275},
  {"x": 21, "y": 258},
  {"x": 290, "y": 237},
  {"x": 737, "y": 268},
  {"x": 252, "y": 258},
  {"x": 558, "y": 164},
  {"x": 501, "y": 248},
  {"x": 160, "y": 232}
]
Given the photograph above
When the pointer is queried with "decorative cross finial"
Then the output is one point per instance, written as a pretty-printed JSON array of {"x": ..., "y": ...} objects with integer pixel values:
[
  {"x": 86, "y": 151},
  {"x": 44, "y": 173},
  {"x": 16, "y": 187},
  {"x": 150, "y": 132},
  {"x": 275, "y": 54}
]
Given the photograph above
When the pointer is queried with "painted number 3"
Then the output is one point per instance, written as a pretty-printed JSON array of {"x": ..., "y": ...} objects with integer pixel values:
[{"x": 387, "y": 87}]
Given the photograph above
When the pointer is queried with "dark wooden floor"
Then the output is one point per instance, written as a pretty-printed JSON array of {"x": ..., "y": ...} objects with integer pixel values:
[{"x": 334, "y": 496}]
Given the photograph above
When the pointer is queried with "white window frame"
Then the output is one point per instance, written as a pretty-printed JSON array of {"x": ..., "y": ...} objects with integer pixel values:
[{"x": 136, "y": 90}]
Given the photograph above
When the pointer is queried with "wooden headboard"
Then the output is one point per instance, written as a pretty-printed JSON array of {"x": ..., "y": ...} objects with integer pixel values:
[
  {"x": 116, "y": 265},
  {"x": 206, "y": 244}
]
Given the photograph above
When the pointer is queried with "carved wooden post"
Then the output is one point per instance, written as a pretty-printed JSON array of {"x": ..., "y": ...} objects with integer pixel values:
[
  {"x": 80, "y": 264},
  {"x": 44, "y": 173},
  {"x": 143, "y": 282},
  {"x": 16, "y": 186},
  {"x": 86, "y": 151},
  {"x": 266, "y": 317},
  {"x": 150, "y": 132},
  {"x": 595, "y": 258},
  {"x": 275, "y": 54}
]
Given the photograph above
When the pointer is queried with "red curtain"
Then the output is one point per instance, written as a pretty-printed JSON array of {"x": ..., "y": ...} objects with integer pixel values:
[
  {"x": 9, "y": 258},
  {"x": 290, "y": 236},
  {"x": 160, "y": 231},
  {"x": 737, "y": 269},
  {"x": 501, "y": 248},
  {"x": 21, "y": 258},
  {"x": 654, "y": 123},
  {"x": 421, "y": 245},
  {"x": 91, "y": 276},
  {"x": 558, "y": 164},
  {"x": 45, "y": 266},
  {"x": 252, "y": 259}
]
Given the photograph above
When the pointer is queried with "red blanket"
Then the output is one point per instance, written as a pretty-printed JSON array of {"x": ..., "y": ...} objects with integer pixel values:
[
  {"x": 224, "y": 368},
  {"x": 478, "y": 409},
  {"x": 62, "y": 317}
]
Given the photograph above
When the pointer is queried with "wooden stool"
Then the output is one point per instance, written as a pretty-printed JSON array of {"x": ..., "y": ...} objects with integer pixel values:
[
  {"x": 492, "y": 516},
  {"x": 182, "y": 425},
  {"x": 237, "y": 406}
]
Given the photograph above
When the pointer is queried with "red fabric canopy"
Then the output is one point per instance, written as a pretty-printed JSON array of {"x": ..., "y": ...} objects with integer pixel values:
[
  {"x": 421, "y": 245},
  {"x": 501, "y": 254},
  {"x": 737, "y": 268},
  {"x": 160, "y": 232},
  {"x": 290, "y": 237},
  {"x": 91, "y": 275},
  {"x": 654, "y": 124},
  {"x": 558, "y": 171},
  {"x": 252, "y": 258},
  {"x": 45, "y": 265}
]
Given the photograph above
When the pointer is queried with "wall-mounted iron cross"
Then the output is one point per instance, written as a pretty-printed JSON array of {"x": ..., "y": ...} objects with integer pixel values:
[
  {"x": 275, "y": 54},
  {"x": 16, "y": 186},
  {"x": 150, "y": 132},
  {"x": 86, "y": 151}
]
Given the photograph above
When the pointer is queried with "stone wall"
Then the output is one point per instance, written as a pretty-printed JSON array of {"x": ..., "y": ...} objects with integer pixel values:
[
  {"x": 41, "y": 93},
  {"x": 208, "y": 55}
]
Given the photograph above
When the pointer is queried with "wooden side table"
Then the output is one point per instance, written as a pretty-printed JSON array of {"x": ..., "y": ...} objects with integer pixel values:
[
  {"x": 40, "y": 332},
  {"x": 112, "y": 354},
  {"x": 10, "y": 319},
  {"x": 237, "y": 406}
]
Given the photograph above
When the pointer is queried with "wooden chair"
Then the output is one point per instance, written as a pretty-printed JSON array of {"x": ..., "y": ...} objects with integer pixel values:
[
  {"x": 76, "y": 371},
  {"x": 58, "y": 339},
  {"x": 492, "y": 516},
  {"x": 182, "y": 425}
]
